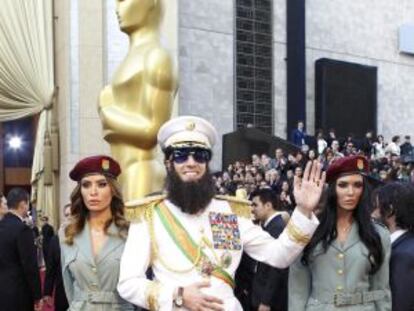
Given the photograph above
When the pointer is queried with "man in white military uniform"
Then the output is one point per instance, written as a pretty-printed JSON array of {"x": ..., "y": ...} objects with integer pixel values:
[{"x": 193, "y": 240}]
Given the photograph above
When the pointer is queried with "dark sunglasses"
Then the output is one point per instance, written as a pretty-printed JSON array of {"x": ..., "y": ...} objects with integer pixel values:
[{"x": 199, "y": 155}]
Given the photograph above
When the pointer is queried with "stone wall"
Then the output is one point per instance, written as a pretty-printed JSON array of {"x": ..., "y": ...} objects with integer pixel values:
[
  {"x": 206, "y": 64},
  {"x": 366, "y": 32}
]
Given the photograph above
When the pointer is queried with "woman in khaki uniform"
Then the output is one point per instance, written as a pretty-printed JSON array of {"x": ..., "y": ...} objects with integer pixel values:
[
  {"x": 346, "y": 264},
  {"x": 93, "y": 241}
]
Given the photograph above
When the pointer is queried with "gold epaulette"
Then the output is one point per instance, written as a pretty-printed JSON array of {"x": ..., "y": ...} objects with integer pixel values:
[
  {"x": 135, "y": 210},
  {"x": 240, "y": 207}
]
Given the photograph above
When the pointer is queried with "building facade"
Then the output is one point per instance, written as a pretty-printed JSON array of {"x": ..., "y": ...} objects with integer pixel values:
[{"x": 203, "y": 37}]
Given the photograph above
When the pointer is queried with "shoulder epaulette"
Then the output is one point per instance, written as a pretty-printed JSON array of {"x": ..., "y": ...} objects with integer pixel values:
[
  {"x": 135, "y": 210},
  {"x": 240, "y": 207}
]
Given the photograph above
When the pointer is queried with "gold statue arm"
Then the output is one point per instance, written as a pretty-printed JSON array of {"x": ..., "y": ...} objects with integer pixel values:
[{"x": 159, "y": 90}]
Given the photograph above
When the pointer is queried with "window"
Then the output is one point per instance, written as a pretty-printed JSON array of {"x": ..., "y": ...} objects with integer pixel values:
[{"x": 254, "y": 72}]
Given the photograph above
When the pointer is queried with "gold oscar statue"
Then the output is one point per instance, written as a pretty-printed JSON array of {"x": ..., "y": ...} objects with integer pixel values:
[{"x": 139, "y": 99}]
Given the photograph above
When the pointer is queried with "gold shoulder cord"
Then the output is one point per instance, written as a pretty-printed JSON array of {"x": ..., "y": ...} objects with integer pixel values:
[
  {"x": 135, "y": 210},
  {"x": 152, "y": 292},
  {"x": 149, "y": 215},
  {"x": 240, "y": 207},
  {"x": 296, "y": 234}
]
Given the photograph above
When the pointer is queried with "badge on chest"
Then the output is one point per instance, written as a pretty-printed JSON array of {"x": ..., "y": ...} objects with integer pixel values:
[{"x": 225, "y": 229}]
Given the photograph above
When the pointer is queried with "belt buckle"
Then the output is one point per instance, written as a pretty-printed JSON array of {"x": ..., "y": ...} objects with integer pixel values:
[{"x": 341, "y": 299}]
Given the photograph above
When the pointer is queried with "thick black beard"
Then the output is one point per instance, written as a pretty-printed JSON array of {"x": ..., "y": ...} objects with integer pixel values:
[{"x": 190, "y": 197}]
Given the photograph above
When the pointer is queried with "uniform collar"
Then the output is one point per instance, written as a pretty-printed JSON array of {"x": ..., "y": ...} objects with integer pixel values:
[
  {"x": 12, "y": 212},
  {"x": 113, "y": 242},
  {"x": 269, "y": 220},
  {"x": 396, "y": 234},
  {"x": 351, "y": 240},
  {"x": 84, "y": 243}
]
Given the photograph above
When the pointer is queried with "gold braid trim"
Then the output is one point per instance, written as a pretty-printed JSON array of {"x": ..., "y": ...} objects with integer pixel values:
[
  {"x": 296, "y": 235},
  {"x": 152, "y": 292},
  {"x": 149, "y": 217},
  {"x": 134, "y": 214},
  {"x": 135, "y": 210},
  {"x": 240, "y": 207}
]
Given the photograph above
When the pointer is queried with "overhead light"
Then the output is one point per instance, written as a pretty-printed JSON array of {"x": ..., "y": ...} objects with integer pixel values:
[{"x": 15, "y": 142}]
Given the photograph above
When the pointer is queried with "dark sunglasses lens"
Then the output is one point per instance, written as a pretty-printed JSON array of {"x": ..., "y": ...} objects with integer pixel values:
[
  {"x": 201, "y": 156},
  {"x": 180, "y": 156}
]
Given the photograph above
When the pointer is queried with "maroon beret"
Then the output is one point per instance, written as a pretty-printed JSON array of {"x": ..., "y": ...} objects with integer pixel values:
[
  {"x": 95, "y": 165},
  {"x": 347, "y": 165}
]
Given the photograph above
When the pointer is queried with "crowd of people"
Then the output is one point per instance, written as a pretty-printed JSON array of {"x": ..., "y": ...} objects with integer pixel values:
[
  {"x": 320, "y": 239},
  {"x": 389, "y": 161}
]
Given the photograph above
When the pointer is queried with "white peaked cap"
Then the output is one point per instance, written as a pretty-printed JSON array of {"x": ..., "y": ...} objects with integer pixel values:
[{"x": 187, "y": 131}]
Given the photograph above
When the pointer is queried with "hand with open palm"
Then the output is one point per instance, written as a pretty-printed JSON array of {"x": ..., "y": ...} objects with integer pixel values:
[{"x": 308, "y": 189}]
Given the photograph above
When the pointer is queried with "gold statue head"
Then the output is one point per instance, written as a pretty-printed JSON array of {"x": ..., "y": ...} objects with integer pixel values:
[{"x": 136, "y": 14}]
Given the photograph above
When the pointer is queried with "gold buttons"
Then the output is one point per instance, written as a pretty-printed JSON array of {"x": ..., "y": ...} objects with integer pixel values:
[
  {"x": 340, "y": 271},
  {"x": 341, "y": 256},
  {"x": 94, "y": 269},
  {"x": 339, "y": 288}
]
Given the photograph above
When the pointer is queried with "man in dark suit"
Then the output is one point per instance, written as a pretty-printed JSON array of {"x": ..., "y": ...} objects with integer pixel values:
[
  {"x": 53, "y": 279},
  {"x": 395, "y": 203},
  {"x": 407, "y": 147},
  {"x": 19, "y": 274},
  {"x": 3, "y": 206},
  {"x": 299, "y": 134},
  {"x": 243, "y": 279},
  {"x": 269, "y": 289},
  {"x": 47, "y": 233}
]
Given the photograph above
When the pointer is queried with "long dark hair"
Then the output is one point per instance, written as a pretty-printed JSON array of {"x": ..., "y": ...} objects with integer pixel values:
[
  {"x": 79, "y": 212},
  {"x": 396, "y": 199},
  {"x": 326, "y": 233}
]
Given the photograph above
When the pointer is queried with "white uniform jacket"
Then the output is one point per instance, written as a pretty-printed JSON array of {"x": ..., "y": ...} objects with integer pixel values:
[{"x": 158, "y": 294}]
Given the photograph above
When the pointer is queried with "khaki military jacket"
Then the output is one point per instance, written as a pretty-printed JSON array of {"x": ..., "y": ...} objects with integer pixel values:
[
  {"x": 90, "y": 283},
  {"x": 339, "y": 279}
]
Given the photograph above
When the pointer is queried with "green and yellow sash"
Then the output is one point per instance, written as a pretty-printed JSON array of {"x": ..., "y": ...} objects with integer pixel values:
[{"x": 186, "y": 244}]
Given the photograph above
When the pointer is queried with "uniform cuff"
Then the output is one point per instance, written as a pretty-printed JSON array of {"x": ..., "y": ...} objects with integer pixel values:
[
  {"x": 300, "y": 228},
  {"x": 159, "y": 297}
]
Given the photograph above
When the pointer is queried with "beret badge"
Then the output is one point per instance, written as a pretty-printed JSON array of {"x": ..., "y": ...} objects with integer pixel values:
[
  {"x": 347, "y": 165},
  {"x": 99, "y": 164},
  {"x": 105, "y": 164}
]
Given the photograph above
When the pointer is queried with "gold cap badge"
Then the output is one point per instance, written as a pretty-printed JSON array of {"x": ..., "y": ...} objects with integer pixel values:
[
  {"x": 360, "y": 164},
  {"x": 190, "y": 126},
  {"x": 105, "y": 164}
]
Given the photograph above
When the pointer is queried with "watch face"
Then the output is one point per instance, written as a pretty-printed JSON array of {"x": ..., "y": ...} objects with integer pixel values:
[{"x": 179, "y": 301}]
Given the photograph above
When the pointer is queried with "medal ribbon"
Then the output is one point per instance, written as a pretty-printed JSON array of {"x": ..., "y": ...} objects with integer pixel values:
[{"x": 185, "y": 243}]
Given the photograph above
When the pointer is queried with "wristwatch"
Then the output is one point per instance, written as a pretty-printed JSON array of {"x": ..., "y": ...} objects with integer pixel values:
[{"x": 178, "y": 299}]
